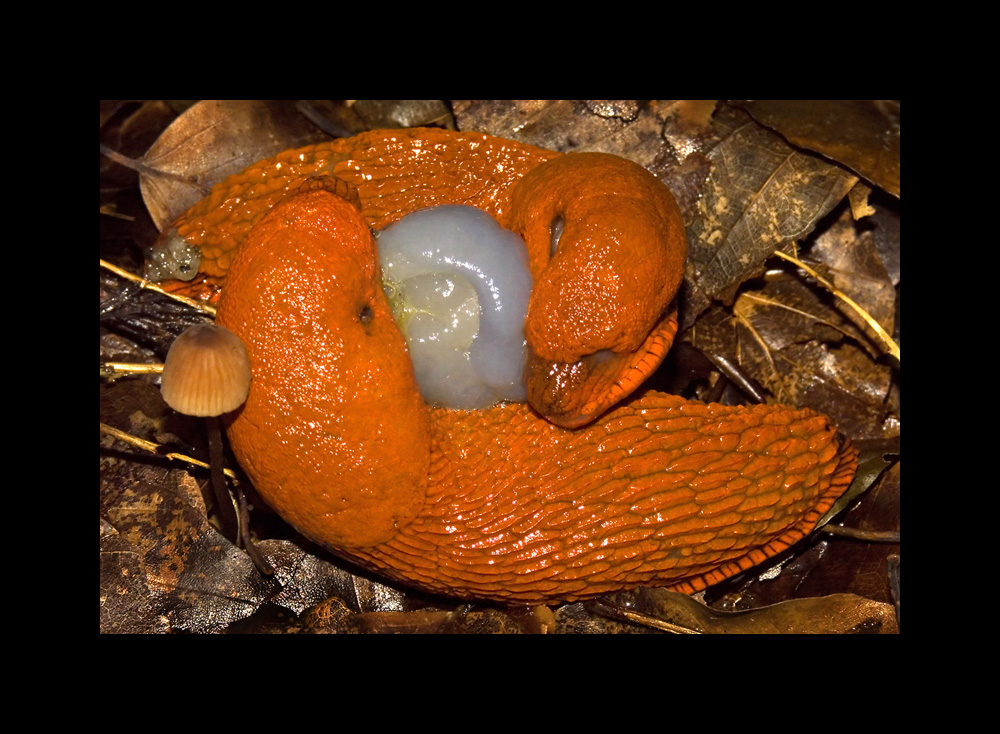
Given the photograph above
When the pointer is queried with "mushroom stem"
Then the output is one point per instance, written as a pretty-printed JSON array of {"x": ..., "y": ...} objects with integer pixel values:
[
  {"x": 263, "y": 567},
  {"x": 207, "y": 374},
  {"x": 235, "y": 524},
  {"x": 226, "y": 507}
]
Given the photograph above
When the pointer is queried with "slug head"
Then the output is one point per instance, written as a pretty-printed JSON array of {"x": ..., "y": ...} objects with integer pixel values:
[
  {"x": 334, "y": 434},
  {"x": 607, "y": 247}
]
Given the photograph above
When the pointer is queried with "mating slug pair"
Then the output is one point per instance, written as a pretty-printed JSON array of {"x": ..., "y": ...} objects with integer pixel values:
[{"x": 588, "y": 489}]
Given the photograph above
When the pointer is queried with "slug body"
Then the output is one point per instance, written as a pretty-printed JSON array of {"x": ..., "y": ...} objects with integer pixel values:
[
  {"x": 604, "y": 238},
  {"x": 498, "y": 503}
]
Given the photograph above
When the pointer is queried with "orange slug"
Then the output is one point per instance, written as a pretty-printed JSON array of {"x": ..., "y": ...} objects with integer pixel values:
[
  {"x": 594, "y": 334},
  {"x": 496, "y": 504}
]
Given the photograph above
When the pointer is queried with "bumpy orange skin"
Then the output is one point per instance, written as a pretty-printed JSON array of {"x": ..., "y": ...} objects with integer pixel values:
[
  {"x": 597, "y": 320},
  {"x": 660, "y": 491},
  {"x": 597, "y": 324},
  {"x": 395, "y": 172},
  {"x": 496, "y": 504}
]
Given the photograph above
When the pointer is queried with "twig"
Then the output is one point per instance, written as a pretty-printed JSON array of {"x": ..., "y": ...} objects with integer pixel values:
[
  {"x": 874, "y": 536},
  {"x": 883, "y": 336},
  {"x": 143, "y": 283},
  {"x": 627, "y": 615},
  {"x": 142, "y": 168},
  {"x": 155, "y": 448},
  {"x": 115, "y": 370}
]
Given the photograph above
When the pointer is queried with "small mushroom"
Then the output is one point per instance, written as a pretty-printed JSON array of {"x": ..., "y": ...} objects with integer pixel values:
[{"x": 207, "y": 374}]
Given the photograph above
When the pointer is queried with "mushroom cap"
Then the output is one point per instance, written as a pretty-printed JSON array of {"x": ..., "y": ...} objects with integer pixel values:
[{"x": 206, "y": 373}]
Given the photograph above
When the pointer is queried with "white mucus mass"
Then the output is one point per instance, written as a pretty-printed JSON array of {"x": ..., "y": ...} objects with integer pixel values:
[{"x": 459, "y": 287}]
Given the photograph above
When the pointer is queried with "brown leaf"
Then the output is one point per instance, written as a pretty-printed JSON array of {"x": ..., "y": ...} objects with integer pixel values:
[
  {"x": 629, "y": 128},
  {"x": 761, "y": 196},
  {"x": 861, "y": 134},
  {"x": 163, "y": 567},
  {"x": 804, "y": 347},
  {"x": 852, "y": 259},
  {"x": 211, "y": 140},
  {"x": 129, "y": 127},
  {"x": 393, "y": 113},
  {"x": 858, "y": 567},
  {"x": 307, "y": 580},
  {"x": 670, "y": 611},
  {"x": 802, "y": 359}
]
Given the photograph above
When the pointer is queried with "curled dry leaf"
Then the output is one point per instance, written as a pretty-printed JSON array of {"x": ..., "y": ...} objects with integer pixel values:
[{"x": 390, "y": 113}]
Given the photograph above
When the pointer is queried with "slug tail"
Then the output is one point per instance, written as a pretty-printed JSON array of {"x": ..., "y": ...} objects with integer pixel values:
[
  {"x": 841, "y": 479},
  {"x": 660, "y": 491}
]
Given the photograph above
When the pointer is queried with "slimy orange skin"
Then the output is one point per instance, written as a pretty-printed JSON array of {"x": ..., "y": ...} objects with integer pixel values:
[
  {"x": 395, "y": 172},
  {"x": 660, "y": 491},
  {"x": 308, "y": 303},
  {"x": 597, "y": 321},
  {"x": 597, "y": 324},
  {"x": 497, "y": 504}
]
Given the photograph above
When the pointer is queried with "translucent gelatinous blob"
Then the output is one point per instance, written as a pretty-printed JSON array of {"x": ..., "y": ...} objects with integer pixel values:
[
  {"x": 172, "y": 258},
  {"x": 459, "y": 286}
]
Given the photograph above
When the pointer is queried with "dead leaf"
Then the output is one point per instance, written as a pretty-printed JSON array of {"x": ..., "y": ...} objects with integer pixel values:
[
  {"x": 306, "y": 580},
  {"x": 629, "y": 128},
  {"x": 797, "y": 343},
  {"x": 164, "y": 568},
  {"x": 852, "y": 260},
  {"x": 392, "y": 113},
  {"x": 834, "y": 614},
  {"x": 861, "y": 134},
  {"x": 840, "y": 381},
  {"x": 761, "y": 196},
  {"x": 211, "y": 140}
]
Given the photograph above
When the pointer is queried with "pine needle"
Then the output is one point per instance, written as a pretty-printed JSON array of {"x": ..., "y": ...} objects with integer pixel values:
[{"x": 890, "y": 346}]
